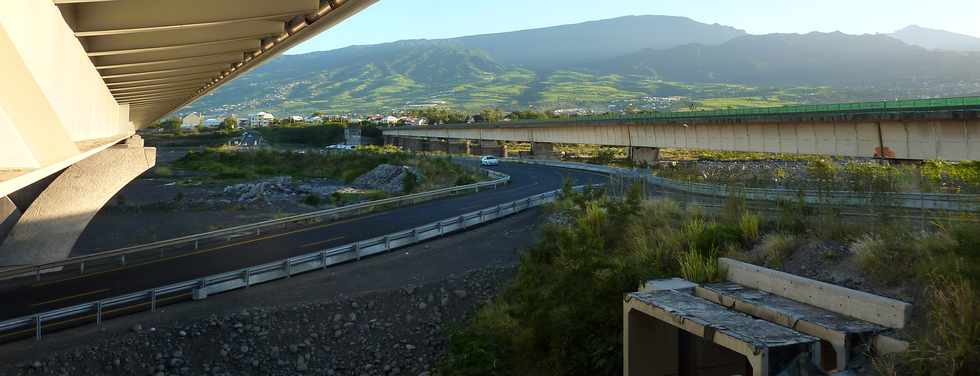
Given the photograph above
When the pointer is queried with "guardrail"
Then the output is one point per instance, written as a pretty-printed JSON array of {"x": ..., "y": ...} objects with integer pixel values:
[
  {"x": 119, "y": 256},
  {"x": 921, "y": 201},
  {"x": 198, "y": 289}
]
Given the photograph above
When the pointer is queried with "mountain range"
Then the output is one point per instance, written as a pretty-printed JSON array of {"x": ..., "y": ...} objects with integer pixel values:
[
  {"x": 937, "y": 39},
  {"x": 605, "y": 64}
]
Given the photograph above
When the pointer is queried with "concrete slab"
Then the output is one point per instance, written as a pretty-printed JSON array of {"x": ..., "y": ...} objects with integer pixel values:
[
  {"x": 677, "y": 284},
  {"x": 869, "y": 307},
  {"x": 768, "y": 348},
  {"x": 844, "y": 334}
]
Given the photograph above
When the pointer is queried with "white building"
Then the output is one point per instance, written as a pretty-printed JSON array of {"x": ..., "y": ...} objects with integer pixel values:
[
  {"x": 296, "y": 119},
  {"x": 261, "y": 119},
  {"x": 192, "y": 120},
  {"x": 391, "y": 120},
  {"x": 212, "y": 123}
]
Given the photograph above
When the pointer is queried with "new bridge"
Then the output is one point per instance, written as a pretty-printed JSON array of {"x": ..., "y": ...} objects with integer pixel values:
[
  {"x": 81, "y": 76},
  {"x": 947, "y": 129}
]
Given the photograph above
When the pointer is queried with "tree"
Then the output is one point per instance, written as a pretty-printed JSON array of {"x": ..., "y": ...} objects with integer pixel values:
[
  {"x": 230, "y": 123},
  {"x": 492, "y": 115},
  {"x": 440, "y": 115},
  {"x": 526, "y": 115},
  {"x": 170, "y": 125}
]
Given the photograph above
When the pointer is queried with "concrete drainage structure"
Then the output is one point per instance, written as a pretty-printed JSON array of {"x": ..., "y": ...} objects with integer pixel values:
[{"x": 760, "y": 322}]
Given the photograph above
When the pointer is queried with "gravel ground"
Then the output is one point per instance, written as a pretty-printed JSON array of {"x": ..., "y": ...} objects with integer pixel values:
[
  {"x": 395, "y": 332},
  {"x": 384, "y": 315}
]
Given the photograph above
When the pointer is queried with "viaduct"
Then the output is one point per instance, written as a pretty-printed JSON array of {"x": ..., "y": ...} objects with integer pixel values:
[{"x": 947, "y": 129}]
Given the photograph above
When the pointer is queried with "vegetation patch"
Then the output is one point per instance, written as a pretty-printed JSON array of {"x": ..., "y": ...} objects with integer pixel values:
[
  {"x": 234, "y": 164},
  {"x": 562, "y": 315}
]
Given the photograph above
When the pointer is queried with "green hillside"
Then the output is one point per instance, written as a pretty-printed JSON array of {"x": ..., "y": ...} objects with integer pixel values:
[{"x": 468, "y": 73}]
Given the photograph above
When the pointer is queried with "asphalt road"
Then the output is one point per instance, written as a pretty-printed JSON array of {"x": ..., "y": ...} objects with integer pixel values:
[{"x": 526, "y": 180}]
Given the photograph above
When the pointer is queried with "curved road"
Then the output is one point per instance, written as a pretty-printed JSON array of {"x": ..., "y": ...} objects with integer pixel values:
[{"x": 526, "y": 180}]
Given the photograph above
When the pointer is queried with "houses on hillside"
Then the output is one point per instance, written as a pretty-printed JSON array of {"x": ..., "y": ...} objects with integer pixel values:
[
  {"x": 191, "y": 121},
  {"x": 261, "y": 119}
]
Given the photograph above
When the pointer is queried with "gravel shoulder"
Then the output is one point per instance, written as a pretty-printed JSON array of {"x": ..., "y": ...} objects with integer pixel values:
[{"x": 386, "y": 315}]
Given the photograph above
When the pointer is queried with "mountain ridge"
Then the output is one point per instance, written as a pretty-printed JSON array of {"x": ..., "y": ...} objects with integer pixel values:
[
  {"x": 937, "y": 39},
  {"x": 767, "y": 69}
]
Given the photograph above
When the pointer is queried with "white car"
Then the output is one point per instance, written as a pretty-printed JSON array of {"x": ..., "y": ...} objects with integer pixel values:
[{"x": 489, "y": 160}]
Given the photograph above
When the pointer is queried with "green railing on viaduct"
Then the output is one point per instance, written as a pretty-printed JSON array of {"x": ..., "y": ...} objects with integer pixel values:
[{"x": 912, "y": 105}]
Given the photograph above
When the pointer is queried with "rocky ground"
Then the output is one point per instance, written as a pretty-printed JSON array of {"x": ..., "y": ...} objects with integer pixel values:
[
  {"x": 384, "y": 315},
  {"x": 154, "y": 206},
  {"x": 834, "y": 262},
  {"x": 395, "y": 332},
  {"x": 388, "y": 178}
]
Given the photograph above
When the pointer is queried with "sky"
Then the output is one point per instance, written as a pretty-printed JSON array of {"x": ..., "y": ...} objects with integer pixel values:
[{"x": 391, "y": 20}]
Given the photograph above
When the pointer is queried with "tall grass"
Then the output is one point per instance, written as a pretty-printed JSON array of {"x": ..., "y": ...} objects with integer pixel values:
[
  {"x": 776, "y": 248},
  {"x": 749, "y": 224},
  {"x": 699, "y": 267},
  {"x": 952, "y": 344},
  {"x": 563, "y": 313}
]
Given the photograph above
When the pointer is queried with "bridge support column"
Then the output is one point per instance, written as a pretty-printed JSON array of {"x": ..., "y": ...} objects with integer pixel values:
[
  {"x": 494, "y": 148},
  {"x": 644, "y": 155},
  {"x": 410, "y": 144},
  {"x": 439, "y": 146},
  {"x": 9, "y": 214},
  {"x": 49, "y": 227},
  {"x": 543, "y": 150},
  {"x": 391, "y": 140},
  {"x": 459, "y": 147}
]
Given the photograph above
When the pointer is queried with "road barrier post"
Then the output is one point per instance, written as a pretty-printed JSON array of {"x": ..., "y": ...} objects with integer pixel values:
[
  {"x": 98, "y": 313},
  {"x": 37, "y": 327}
]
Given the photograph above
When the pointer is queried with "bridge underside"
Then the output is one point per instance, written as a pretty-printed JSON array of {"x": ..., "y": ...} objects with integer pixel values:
[
  {"x": 81, "y": 76},
  {"x": 954, "y": 139},
  {"x": 46, "y": 220}
]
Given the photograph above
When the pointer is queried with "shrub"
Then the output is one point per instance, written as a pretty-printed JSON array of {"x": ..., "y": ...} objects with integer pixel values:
[
  {"x": 952, "y": 343},
  {"x": 879, "y": 254},
  {"x": 734, "y": 206},
  {"x": 828, "y": 225},
  {"x": 409, "y": 183},
  {"x": 717, "y": 236},
  {"x": 823, "y": 171},
  {"x": 465, "y": 180},
  {"x": 776, "y": 248},
  {"x": 749, "y": 226},
  {"x": 313, "y": 200},
  {"x": 699, "y": 267},
  {"x": 604, "y": 156},
  {"x": 793, "y": 215},
  {"x": 562, "y": 315}
]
